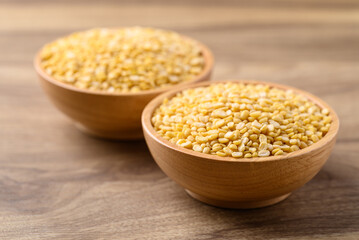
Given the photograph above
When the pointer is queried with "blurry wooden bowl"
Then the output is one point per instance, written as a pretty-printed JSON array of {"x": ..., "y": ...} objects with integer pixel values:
[
  {"x": 238, "y": 183},
  {"x": 108, "y": 115}
]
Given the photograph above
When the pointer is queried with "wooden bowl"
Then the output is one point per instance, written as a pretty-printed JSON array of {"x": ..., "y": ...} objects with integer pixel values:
[
  {"x": 108, "y": 115},
  {"x": 238, "y": 183}
]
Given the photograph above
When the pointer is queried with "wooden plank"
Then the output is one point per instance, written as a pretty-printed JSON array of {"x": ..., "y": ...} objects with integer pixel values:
[{"x": 56, "y": 183}]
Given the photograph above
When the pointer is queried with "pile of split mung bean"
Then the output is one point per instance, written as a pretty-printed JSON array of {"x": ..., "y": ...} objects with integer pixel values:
[
  {"x": 123, "y": 60},
  {"x": 241, "y": 120}
]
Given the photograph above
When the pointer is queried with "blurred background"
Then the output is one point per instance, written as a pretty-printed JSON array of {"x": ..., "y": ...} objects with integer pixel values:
[
  {"x": 54, "y": 180},
  {"x": 312, "y": 45}
]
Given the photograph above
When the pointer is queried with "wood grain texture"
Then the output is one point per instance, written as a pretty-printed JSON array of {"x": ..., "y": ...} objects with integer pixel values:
[{"x": 56, "y": 183}]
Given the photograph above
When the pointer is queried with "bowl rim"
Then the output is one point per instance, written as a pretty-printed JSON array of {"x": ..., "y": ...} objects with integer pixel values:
[
  {"x": 154, "y": 103},
  {"x": 208, "y": 67}
]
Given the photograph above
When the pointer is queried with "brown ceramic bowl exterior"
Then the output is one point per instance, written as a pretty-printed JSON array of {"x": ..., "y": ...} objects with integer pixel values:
[
  {"x": 238, "y": 183},
  {"x": 108, "y": 115}
]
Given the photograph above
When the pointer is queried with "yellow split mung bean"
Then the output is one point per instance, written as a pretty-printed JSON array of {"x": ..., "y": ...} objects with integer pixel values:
[
  {"x": 123, "y": 60},
  {"x": 241, "y": 120}
]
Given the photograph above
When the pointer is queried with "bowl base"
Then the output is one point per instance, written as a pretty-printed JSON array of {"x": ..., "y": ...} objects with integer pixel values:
[
  {"x": 237, "y": 204},
  {"x": 114, "y": 135}
]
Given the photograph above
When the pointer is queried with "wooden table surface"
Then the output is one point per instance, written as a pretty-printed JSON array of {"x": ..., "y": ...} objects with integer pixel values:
[{"x": 57, "y": 183}]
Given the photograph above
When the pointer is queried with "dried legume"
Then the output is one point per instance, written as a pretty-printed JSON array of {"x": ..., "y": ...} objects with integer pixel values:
[
  {"x": 238, "y": 120},
  {"x": 122, "y": 60}
]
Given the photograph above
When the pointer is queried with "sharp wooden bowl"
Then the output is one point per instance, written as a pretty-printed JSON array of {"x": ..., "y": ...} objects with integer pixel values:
[
  {"x": 108, "y": 115},
  {"x": 238, "y": 183}
]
